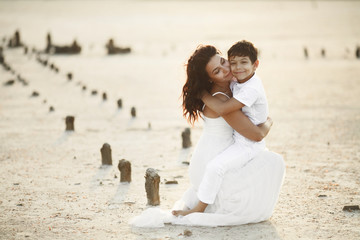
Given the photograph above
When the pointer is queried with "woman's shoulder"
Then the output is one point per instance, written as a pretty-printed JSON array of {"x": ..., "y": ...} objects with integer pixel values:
[{"x": 221, "y": 95}]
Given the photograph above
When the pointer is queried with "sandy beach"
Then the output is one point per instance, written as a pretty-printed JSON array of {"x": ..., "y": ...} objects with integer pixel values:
[{"x": 52, "y": 184}]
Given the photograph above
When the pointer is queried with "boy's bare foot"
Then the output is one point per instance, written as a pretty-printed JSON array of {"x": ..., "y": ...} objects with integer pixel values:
[{"x": 180, "y": 212}]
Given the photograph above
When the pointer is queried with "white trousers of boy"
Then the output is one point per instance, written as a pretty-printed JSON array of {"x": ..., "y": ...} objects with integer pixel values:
[{"x": 234, "y": 157}]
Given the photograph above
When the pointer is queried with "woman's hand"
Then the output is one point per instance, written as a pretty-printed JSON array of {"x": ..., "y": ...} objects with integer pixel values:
[{"x": 265, "y": 127}]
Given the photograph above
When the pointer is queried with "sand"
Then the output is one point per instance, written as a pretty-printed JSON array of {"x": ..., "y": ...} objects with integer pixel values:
[{"x": 52, "y": 184}]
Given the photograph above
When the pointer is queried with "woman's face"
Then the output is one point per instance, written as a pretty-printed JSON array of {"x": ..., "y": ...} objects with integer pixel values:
[{"x": 218, "y": 69}]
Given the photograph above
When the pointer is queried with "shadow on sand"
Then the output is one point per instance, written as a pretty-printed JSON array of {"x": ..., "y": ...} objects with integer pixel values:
[
  {"x": 63, "y": 137},
  {"x": 184, "y": 156},
  {"x": 120, "y": 195},
  {"x": 264, "y": 231},
  {"x": 96, "y": 180}
]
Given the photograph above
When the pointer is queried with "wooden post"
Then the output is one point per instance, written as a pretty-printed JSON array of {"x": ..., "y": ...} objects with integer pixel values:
[
  {"x": 35, "y": 94},
  {"x": 323, "y": 53},
  {"x": 152, "y": 187},
  {"x": 104, "y": 96},
  {"x": 106, "y": 158},
  {"x": 119, "y": 103},
  {"x": 306, "y": 53},
  {"x": 69, "y": 120},
  {"x": 124, "y": 167},
  {"x": 69, "y": 76},
  {"x": 186, "y": 141},
  {"x": 133, "y": 112}
]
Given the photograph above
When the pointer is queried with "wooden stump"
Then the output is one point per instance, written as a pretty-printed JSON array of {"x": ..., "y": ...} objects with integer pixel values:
[
  {"x": 152, "y": 187},
  {"x": 133, "y": 112},
  {"x": 35, "y": 94},
  {"x": 9, "y": 83},
  {"x": 69, "y": 76},
  {"x": 351, "y": 208},
  {"x": 69, "y": 120},
  {"x": 124, "y": 167},
  {"x": 186, "y": 141},
  {"x": 323, "y": 52},
  {"x": 306, "y": 53},
  {"x": 106, "y": 158},
  {"x": 119, "y": 103}
]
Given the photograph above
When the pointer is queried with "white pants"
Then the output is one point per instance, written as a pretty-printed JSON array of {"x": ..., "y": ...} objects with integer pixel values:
[{"x": 234, "y": 157}]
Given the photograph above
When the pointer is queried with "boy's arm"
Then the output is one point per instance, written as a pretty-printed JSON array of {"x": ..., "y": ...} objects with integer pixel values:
[{"x": 219, "y": 106}]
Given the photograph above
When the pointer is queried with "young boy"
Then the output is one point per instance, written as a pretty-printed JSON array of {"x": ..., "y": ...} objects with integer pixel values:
[
  {"x": 248, "y": 96},
  {"x": 248, "y": 91}
]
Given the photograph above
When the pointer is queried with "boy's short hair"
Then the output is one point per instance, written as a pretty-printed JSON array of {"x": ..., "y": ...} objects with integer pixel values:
[{"x": 243, "y": 49}]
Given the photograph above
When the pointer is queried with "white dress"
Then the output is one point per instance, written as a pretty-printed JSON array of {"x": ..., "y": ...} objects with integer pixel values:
[{"x": 247, "y": 194}]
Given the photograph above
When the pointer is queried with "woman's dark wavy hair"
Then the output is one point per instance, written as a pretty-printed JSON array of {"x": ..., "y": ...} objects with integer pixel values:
[{"x": 197, "y": 81}]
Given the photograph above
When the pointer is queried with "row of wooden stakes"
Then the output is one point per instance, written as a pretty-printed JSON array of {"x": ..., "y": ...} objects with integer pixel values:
[
  {"x": 185, "y": 135},
  {"x": 69, "y": 75},
  {"x": 124, "y": 166},
  {"x": 152, "y": 178}
]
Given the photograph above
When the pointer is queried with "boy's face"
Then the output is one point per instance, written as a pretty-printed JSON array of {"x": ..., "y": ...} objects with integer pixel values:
[{"x": 242, "y": 68}]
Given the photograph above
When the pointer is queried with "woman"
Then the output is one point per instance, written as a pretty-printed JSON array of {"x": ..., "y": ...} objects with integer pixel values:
[
  {"x": 248, "y": 194},
  {"x": 243, "y": 190}
]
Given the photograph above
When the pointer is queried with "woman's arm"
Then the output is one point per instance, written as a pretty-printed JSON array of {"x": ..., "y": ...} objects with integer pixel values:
[{"x": 242, "y": 124}]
